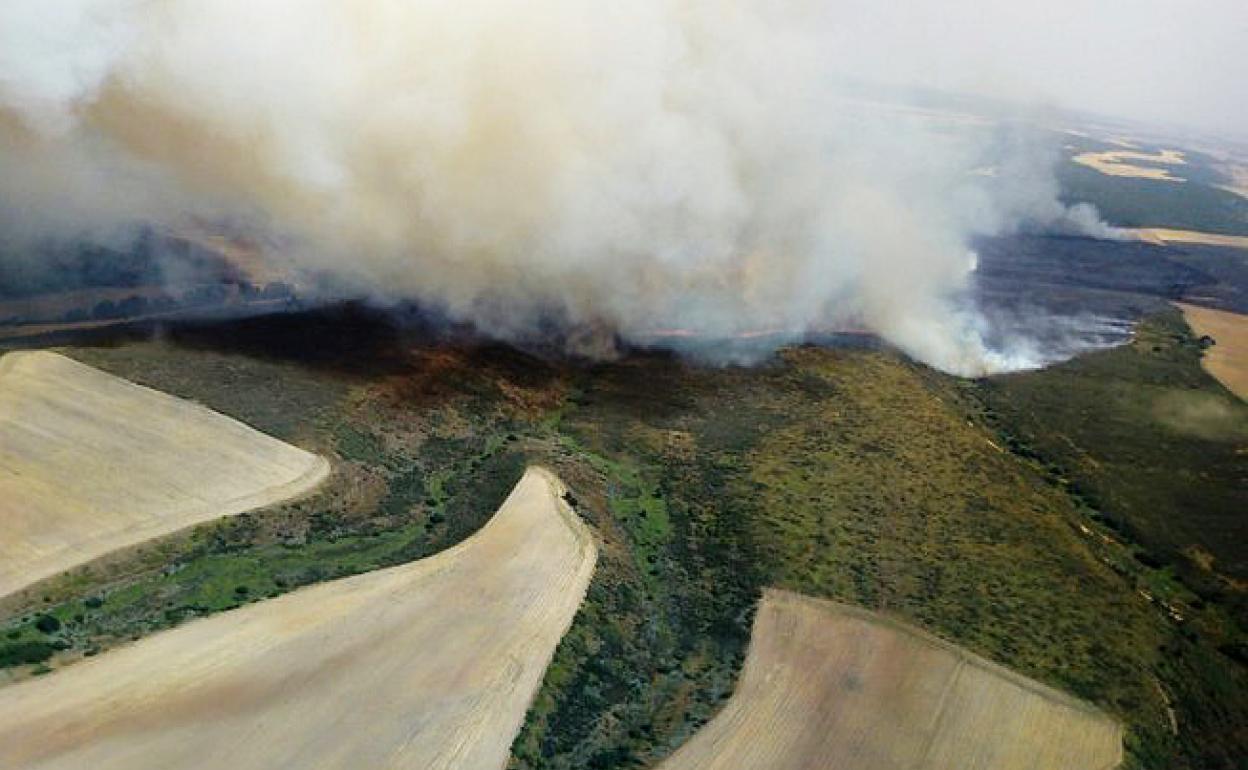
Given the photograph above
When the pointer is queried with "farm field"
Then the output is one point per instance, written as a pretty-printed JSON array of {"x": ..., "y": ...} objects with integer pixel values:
[
  {"x": 1227, "y": 360},
  {"x": 430, "y": 664},
  {"x": 1118, "y": 163},
  {"x": 829, "y": 686},
  {"x": 1162, "y": 236},
  {"x": 1200, "y": 204},
  {"x": 90, "y": 463}
]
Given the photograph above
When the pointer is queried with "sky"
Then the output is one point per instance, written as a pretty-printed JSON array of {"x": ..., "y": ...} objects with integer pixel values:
[{"x": 1173, "y": 62}]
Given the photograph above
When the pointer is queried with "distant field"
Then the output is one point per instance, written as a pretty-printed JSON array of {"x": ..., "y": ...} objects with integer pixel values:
[
  {"x": 429, "y": 665},
  {"x": 1121, "y": 163},
  {"x": 90, "y": 463},
  {"x": 1227, "y": 360},
  {"x": 829, "y": 686},
  {"x": 1133, "y": 202},
  {"x": 1162, "y": 235}
]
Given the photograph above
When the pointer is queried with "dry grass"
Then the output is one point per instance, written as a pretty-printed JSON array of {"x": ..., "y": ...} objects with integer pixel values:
[
  {"x": 829, "y": 686},
  {"x": 1228, "y": 359},
  {"x": 427, "y": 665},
  {"x": 1113, "y": 163},
  {"x": 90, "y": 463}
]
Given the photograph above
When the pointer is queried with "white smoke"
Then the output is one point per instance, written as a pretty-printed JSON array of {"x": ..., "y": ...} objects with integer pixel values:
[{"x": 650, "y": 165}]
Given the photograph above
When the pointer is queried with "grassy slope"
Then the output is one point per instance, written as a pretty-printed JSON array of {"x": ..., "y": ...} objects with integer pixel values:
[
  {"x": 1159, "y": 441},
  {"x": 1134, "y": 202},
  {"x": 848, "y": 474},
  {"x": 1151, "y": 449},
  {"x": 851, "y": 475}
]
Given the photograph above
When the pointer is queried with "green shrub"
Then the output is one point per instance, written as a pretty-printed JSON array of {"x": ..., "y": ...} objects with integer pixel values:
[
  {"x": 48, "y": 624},
  {"x": 19, "y": 653}
]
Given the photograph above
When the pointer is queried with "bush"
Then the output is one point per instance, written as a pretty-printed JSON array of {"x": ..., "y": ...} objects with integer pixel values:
[
  {"x": 48, "y": 624},
  {"x": 19, "y": 653}
]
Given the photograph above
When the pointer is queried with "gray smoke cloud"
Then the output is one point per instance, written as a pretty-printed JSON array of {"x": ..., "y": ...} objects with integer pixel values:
[{"x": 657, "y": 165}]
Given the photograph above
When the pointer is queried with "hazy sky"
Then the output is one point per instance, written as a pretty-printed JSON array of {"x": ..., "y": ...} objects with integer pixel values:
[
  {"x": 1172, "y": 61},
  {"x": 1168, "y": 61}
]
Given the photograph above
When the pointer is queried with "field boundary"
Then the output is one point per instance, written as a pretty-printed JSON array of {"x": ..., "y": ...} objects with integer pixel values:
[
  {"x": 103, "y": 545},
  {"x": 963, "y": 655}
]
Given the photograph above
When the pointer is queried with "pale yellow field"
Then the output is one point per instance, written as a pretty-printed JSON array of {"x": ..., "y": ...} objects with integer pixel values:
[
  {"x": 831, "y": 687},
  {"x": 1239, "y": 180},
  {"x": 429, "y": 665},
  {"x": 90, "y": 463},
  {"x": 1228, "y": 359},
  {"x": 1162, "y": 236},
  {"x": 1113, "y": 163}
]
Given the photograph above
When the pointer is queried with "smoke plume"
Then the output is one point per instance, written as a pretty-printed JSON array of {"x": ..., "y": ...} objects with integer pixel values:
[{"x": 638, "y": 167}]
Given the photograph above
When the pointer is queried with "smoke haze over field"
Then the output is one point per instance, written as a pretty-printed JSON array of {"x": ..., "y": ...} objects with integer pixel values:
[{"x": 652, "y": 165}]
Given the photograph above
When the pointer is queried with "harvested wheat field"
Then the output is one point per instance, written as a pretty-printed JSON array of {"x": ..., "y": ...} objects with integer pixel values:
[
  {"x": 428, "y": 665},
  {"x": 1227, "y": 360},
  {"x": 827, "y": 687},
  {"x": 90, "y": 463},
  {"x": 1162, "y": 236},
  {"x": 1114, "y": 163}
]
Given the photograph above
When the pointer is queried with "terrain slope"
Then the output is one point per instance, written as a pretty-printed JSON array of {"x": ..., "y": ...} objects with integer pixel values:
[
  {"x": 90, "y": 463},
  {"x": 1227, "y": 360},
  {"x": 427, "y": 665},
  {"x": 829, "y": 686}
]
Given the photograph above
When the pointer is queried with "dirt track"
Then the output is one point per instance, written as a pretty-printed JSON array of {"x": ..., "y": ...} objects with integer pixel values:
[
  {"x": 429, "y": 665},
  {"x": 831, "y": 687},
  {"x": 90, "y": 463},
  {"x": 1227, "y": 360}
]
